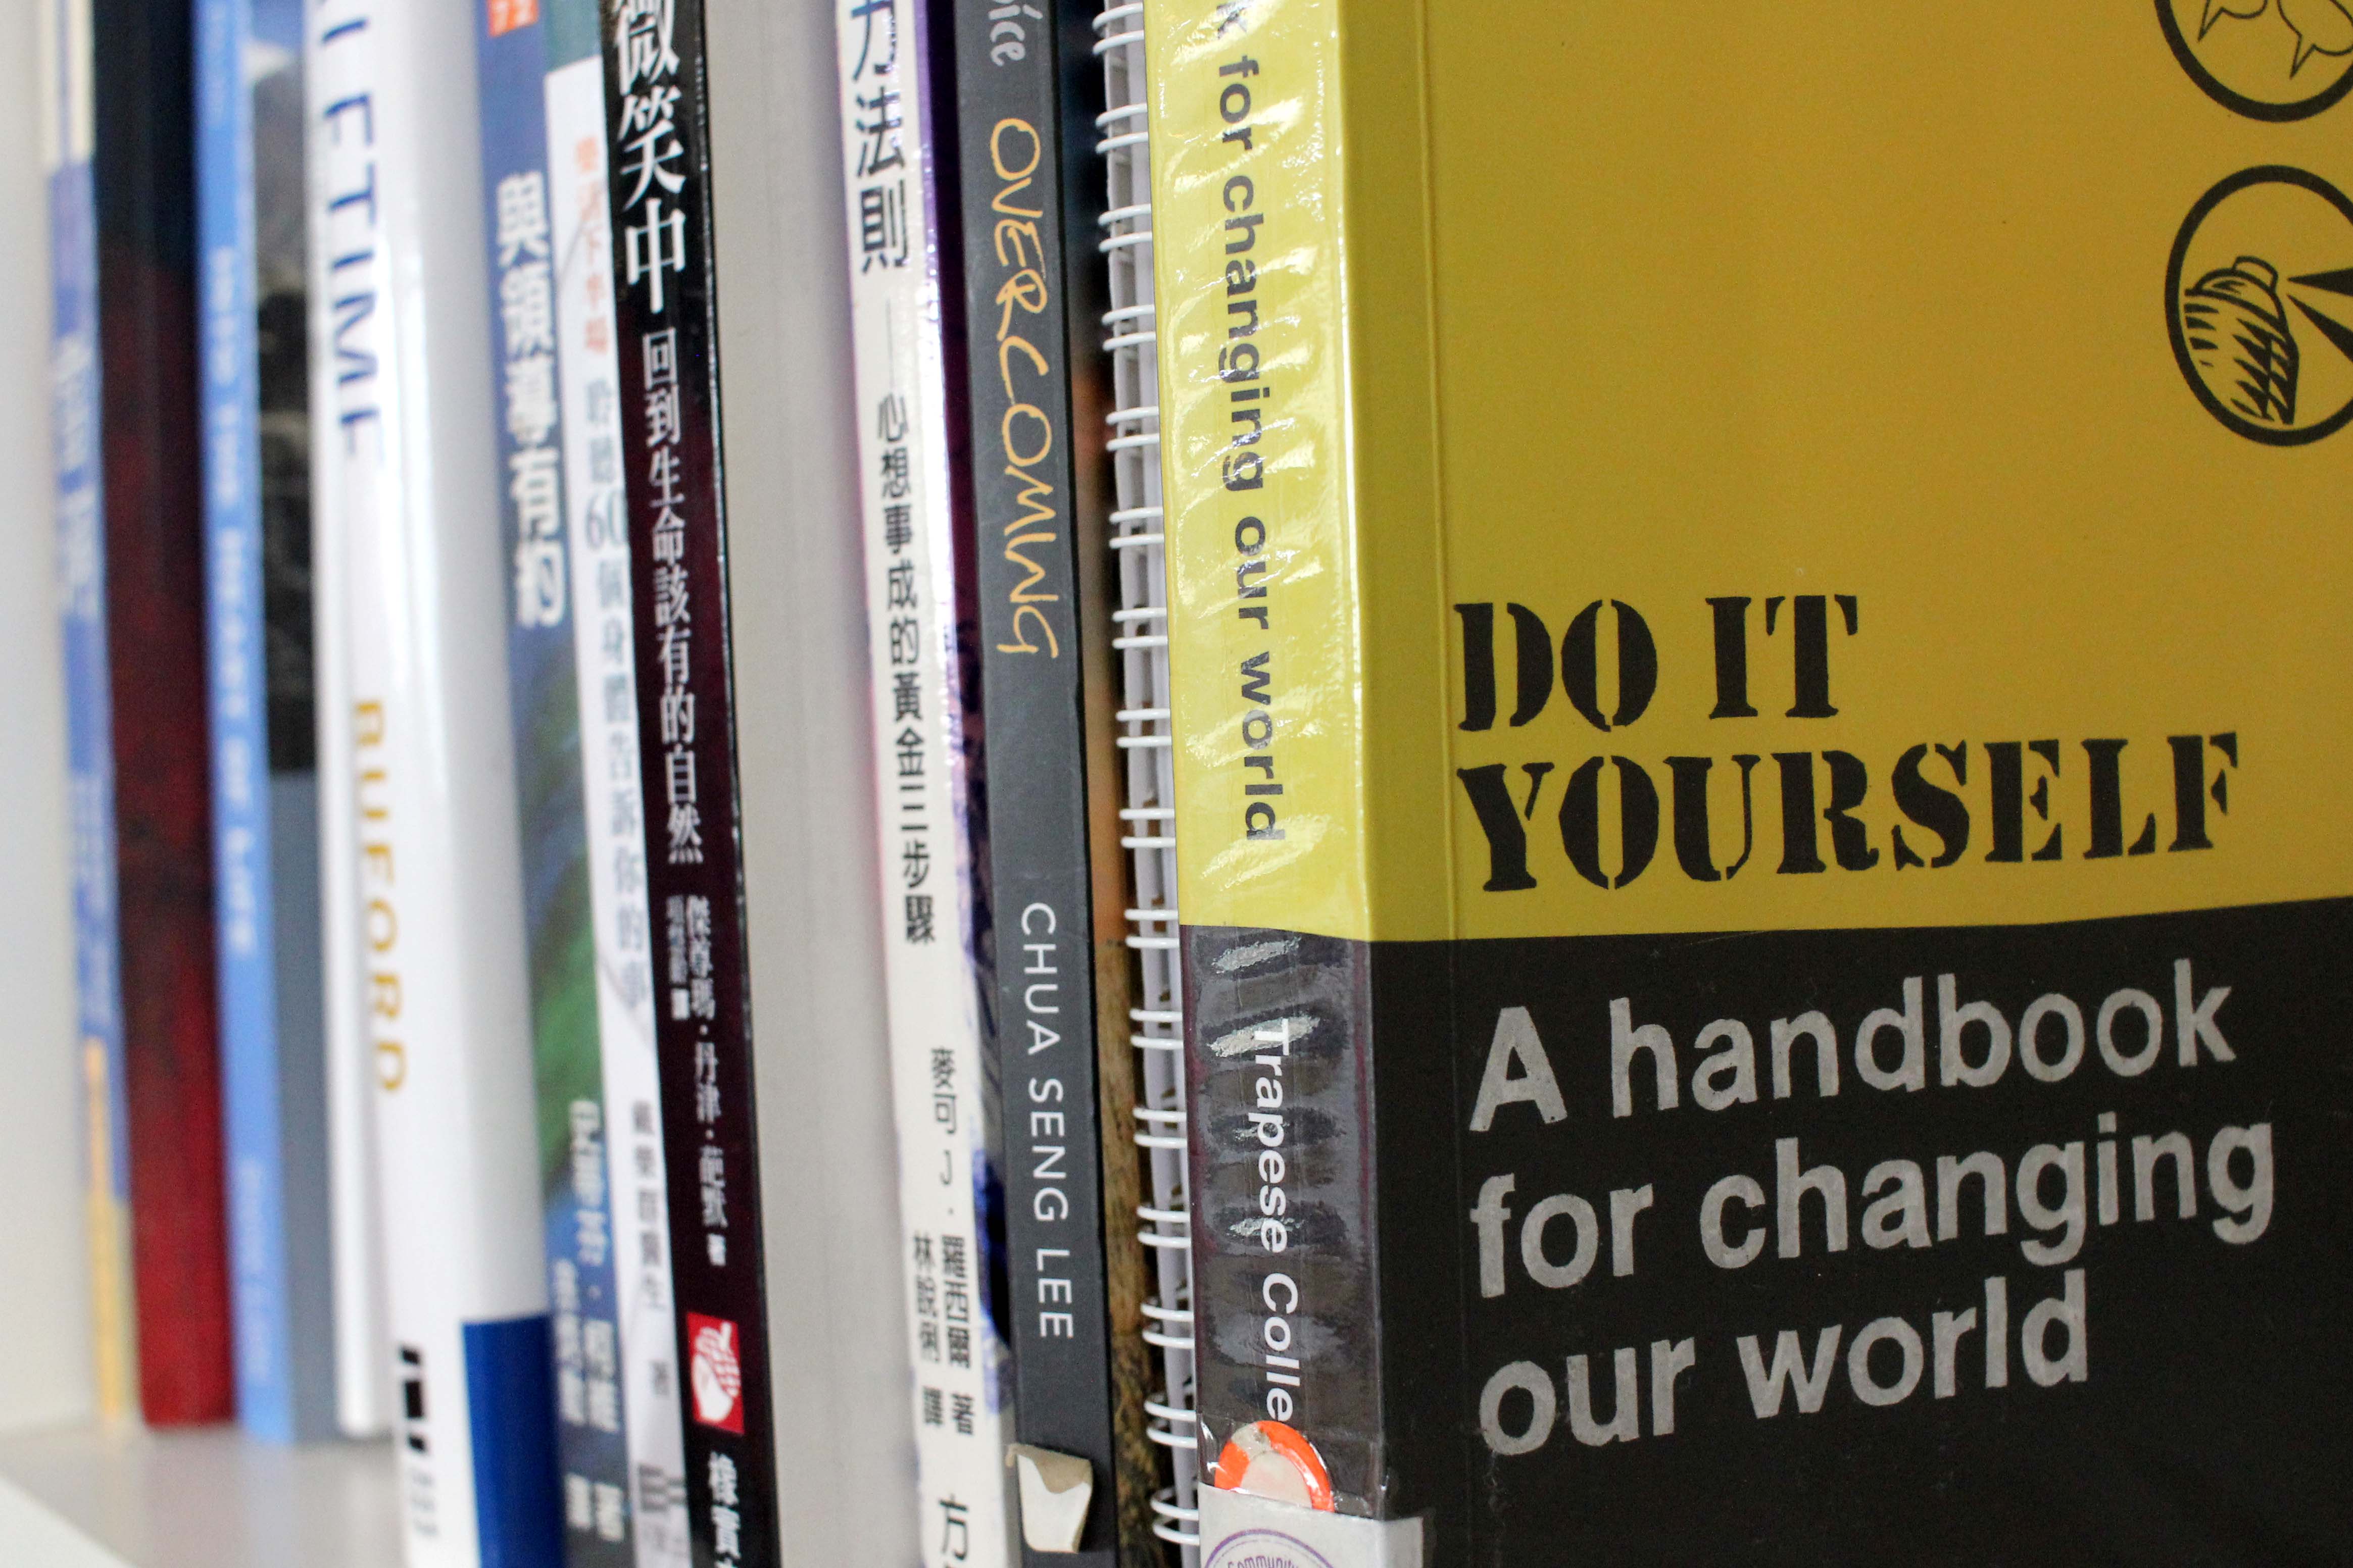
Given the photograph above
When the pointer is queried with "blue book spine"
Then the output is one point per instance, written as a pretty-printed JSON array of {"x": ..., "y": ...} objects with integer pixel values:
[
  {"x": 90, "y": 718},
  {"x": 574, "y": 1122},
  {"x": 264, "y": 782}
]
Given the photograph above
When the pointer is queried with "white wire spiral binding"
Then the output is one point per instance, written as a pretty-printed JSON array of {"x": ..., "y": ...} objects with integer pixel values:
[{"x": 1150, "y": 819}]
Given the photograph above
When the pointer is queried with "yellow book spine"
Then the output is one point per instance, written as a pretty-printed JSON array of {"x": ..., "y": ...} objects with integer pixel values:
[
  {"x": 1266, "y": 597},
  {"x": 109, "y": 1228},
  {"x": 1298, "y": 393}
]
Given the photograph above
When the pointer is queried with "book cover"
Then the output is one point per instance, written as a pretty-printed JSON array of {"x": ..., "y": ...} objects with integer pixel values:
[
  {"x": 264, "y": 766},
  {"x": 1136, "y": 553},
  {"x": 1757, "y": 696},
  {"x": 365, "y": 1395},
  {"x": 407, "y": 482},
  {"x": 898, "y": 180},
  {"x": 572, "y": 692},
  {"x": 68, "y": 130},
  {"x": 362, "y": 1337},
  {"x": 665, "y": 343},
  {"x": 835, "y": 1269},
  {"x": 152, "y": 504},
  {"x": 1028, "y": 89}
]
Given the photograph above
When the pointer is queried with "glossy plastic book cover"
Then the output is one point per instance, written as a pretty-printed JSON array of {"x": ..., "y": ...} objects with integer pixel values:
[{"x": 1762, "y": 757}]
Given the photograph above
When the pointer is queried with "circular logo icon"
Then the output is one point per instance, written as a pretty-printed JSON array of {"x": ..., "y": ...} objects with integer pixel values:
[
  {"x": 2267, "y": 59},
  {"x": 1269, "y": 1459},
  {"x": 1265, "y": 1549},
  {"x": 2259, "y": 298}
]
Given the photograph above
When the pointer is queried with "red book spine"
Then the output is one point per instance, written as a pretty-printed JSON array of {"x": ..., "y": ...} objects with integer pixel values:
[{"x": 155, "y": 614}]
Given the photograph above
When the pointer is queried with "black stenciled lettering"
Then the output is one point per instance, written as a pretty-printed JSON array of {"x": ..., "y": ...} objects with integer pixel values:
[
  {"x": 1731, "y": 617},
  {"x": 1800, "y": 846},
  {"x": 1811, "y": 652},
  {"x": 1694, "y": 843},
  {"x": 1932, "y": 806},
  {"x": 1507, "y": 839},
  {"x": 2106, "y": 758},
  {"x": 1638, "y": 665},
  {"x": 1637, "y": 821},
  {"x": 2006, "y": 762},
  {"x": 1478, "y": 665}
]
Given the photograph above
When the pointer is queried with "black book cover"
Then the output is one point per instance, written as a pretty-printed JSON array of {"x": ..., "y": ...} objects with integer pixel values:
[
  {"x": 667, "y": 328},
  {"x": 1027, "y": 91}
]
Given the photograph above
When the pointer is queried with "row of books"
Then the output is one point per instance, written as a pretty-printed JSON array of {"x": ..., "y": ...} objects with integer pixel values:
[
  {"x": 588, "y": 526},
  {"x": 417, "y": 744}
]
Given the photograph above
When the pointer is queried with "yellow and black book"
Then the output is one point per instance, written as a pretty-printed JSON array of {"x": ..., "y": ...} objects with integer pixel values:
[{"x": 1764, "y": 741}]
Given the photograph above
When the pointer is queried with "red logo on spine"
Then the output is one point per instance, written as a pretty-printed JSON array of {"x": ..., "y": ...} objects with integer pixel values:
[
  {"x": 716, "y": 1372},
  {"x": 506, "y": 15}
]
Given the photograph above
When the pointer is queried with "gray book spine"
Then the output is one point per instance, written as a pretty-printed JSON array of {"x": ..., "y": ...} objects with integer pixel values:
[{"x": 1037, "y": 465}]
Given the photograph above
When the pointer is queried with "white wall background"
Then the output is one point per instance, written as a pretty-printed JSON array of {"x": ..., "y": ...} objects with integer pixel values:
[{"x": 45, "y": 1350}]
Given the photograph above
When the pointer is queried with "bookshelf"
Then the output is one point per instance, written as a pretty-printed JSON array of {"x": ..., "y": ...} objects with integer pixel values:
[{"x": 209, "y": 1497}]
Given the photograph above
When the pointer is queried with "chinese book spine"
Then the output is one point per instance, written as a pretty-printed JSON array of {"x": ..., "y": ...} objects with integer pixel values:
[
  {"x": 408, "y": 485},
  {"x": 665, "y": 414},
  {"x": 1028, "y": 87},
  {"x": 576, "y": 744},
  {"x": 145, "y": 179},
  {"x": 573, "y": 1127},
  {"x": 265, "y": 773},
  {"x": 899, "y": 183},
  {"x": 67, "y": 134},
  {"x": 604, "y": 653}
]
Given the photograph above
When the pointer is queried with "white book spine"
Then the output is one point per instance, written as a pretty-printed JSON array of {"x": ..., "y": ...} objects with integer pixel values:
[
  {"x": 363, "y": 1341},
  {"x": 926, "y": 857},
  {"x": 603, "y": 646},
  {"x": 405, "y": 484}
]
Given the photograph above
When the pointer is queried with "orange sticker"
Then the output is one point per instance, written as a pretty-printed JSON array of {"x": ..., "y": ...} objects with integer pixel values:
[{"x": 1269, "y": 1459}]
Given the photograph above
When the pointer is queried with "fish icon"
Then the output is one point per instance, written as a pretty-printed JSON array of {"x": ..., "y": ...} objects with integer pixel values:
[{"x": 2237, "y": 332}]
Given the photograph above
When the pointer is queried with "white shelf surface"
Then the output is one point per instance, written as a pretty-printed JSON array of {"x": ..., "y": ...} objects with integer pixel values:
[{"x": 207, "y": 1497}]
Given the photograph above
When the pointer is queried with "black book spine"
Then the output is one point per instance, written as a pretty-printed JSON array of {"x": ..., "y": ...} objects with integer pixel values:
[
  {"x": 1031, "y": 466},
  {"x": 666, "y": 330}
]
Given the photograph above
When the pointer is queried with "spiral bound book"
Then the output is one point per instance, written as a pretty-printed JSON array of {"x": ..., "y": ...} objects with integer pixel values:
[
  {"x": 1755, "y": 607},
  {"x": 1128, "y": 335}
]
